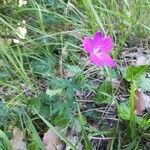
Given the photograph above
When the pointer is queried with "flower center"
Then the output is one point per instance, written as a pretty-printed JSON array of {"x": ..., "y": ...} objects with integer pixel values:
[{"x": 96, "y": 50}]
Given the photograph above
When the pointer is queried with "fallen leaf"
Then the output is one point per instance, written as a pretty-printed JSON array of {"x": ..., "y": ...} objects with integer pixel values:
[
  {"x": 52, "y": 142},
  {"x": 143, "y": 60},
  {"x": 142, "y": 102},
  {"x": 17, "y": 140},
  {"x": 140, "y": 106}
]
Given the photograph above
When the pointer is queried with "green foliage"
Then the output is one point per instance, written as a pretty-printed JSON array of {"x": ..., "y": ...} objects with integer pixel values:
[
  {"x": 124, "y": 111},
  {"x": 35, "y": 133},
  {"x": 4, "y": 75},
  {"x": 52, "y": 19},
  {"x": 51, "y": 93},
  {"x": 104, "y": 92},
  {"x": 144, "y": 123},
  {"x": 33, "y": 144},
  {"x": 54, "y": 4},
  {"x": 44, "y": 66},
  {"x": 35, "y": 104},
  {"x": 75, "y": 69},
  {"x": 4, "y": 113},
  {"x": 145, "y": 84},
  {"x": 134, "y": 73},
  {"x": 80, "y": 1},
  {"x": 45, "y": 110},
  {"x": 62, "y": 119},
  {"x": 59, "y": 101},
  {"x": 82, "y": 123},
  {"x": 6, "y": 143}
]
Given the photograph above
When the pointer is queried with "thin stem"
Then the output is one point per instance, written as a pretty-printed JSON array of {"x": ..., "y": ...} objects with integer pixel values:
[{"x": 132, "y": 112}]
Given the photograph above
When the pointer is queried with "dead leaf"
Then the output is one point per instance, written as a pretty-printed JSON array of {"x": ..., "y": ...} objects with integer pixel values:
[
  {"x": 17, "y": 140},
  {"x": 51, "y": 141},
  {"x": 140, "y": 107},
  {"x": 142, "y": 102},
  {"x": 143, "y": 60}
]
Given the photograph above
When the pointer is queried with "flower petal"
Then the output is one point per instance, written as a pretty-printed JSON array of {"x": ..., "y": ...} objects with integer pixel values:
[
  {"x": 88, "y": 44},
  {"x": 96, "y": 60},
  {"x": 98, "y": 40},
  {"x": 107, "y": 44},
  {"x": 102, "y": 59}
]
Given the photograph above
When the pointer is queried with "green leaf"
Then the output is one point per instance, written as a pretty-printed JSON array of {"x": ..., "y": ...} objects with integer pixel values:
[
  {"x": 80, "y": 1},
  {"x": 104, "y": 93},
  {"x": 124, "y": 111},
  {"x": 40, "y": 66},
  {"x": 4, "y": 113},
  {"x": 45, "y": 110},
  {"x": 44, "y": 66},
  {"x": 144, "y": 123},
  {"x": 6, "y": 142},
  {"x": 88, "y": 145},
  {"x": 35, "y": 103},
  {"x": 74, "y": 69},
  {"x": 35, "y": 133},
  {"x": 145, "y": 84},
  {"x": 33, "y": 144},
  {"x": 4, "y": 75},
  {"x": 61, "y": 120},
  {"x": 134, "y": 73},
  {"x": 62, "y": 113},
  {"x": 51, "y": 93}
]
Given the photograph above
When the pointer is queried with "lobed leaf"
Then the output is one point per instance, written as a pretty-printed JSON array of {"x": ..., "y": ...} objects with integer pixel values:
[{"x": 134, "y": 73}]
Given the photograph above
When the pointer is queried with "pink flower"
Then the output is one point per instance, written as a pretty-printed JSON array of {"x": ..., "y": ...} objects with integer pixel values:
[{"x": 99, "y": 48}]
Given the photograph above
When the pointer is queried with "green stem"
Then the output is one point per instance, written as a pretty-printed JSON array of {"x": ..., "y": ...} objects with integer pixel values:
[
  {"x": 132, "y": 111},
  {"x": 132, "y": 99},
  {"x": 108, "y": 73}
]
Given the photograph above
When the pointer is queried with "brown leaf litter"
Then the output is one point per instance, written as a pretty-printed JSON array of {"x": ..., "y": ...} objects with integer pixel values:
[
  {"x": 18, "y": 140},
  {"x": 52, "y": 141},
  {"x": 142, "y": 102}
]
